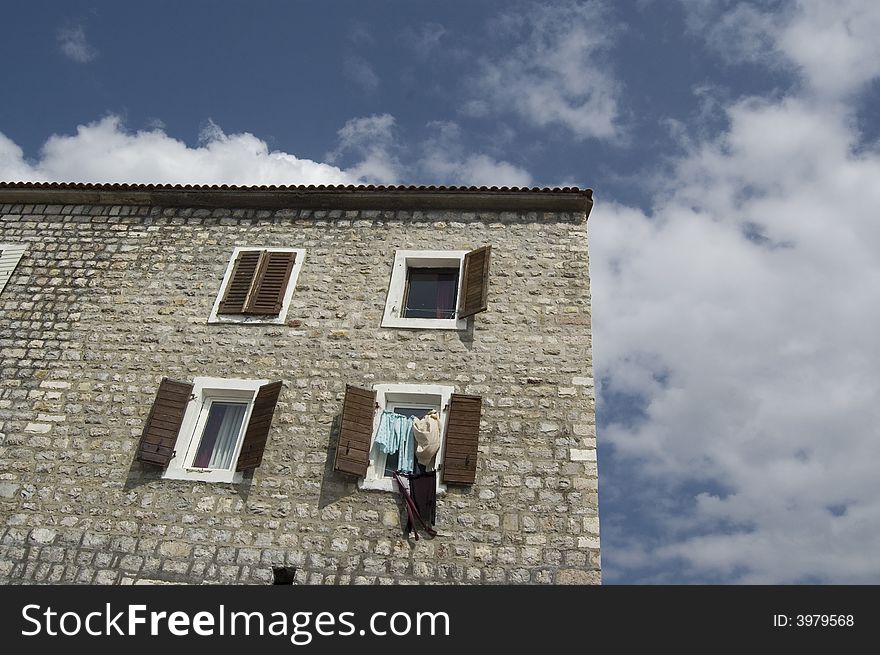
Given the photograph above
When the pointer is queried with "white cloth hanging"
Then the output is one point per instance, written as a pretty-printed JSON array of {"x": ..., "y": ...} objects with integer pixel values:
[{"x": 426, "y": 431}]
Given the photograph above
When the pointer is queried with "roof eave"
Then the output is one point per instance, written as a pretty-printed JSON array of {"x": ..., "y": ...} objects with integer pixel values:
[{"x": 346, "y": 198}]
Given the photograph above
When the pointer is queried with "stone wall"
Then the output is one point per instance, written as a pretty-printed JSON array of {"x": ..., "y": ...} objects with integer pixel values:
[{"x": 109, "y": 299}]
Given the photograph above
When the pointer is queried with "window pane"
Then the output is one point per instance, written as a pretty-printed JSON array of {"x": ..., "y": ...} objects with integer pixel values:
[
  {"x": 430, "y": 293},
  {"x": 220, "y": 436},
  {"x": 391, "y": 460}
]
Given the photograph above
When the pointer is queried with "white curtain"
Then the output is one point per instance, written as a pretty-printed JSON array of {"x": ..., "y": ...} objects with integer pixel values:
[{"x": 222, "y": 429}]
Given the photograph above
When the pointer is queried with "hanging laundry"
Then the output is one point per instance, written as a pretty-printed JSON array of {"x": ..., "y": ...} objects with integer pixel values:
[
  {"x": 420, "y": 499},
  {"x": 395, "y": 435},
  {"x": 423, "y": 489},
  {"x": 426, "y": 431}
]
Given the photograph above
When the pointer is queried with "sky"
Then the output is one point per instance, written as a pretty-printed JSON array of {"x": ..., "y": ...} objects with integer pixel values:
[{"x": 734, "y": 151}]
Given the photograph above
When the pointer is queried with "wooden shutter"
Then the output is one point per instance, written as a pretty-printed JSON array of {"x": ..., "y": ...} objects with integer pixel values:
[
  {"x": 462, "y": 439},
  {"x": 356, "y": 431},
  {"x": 10, "y": 254},
  {"x": 474, "y": 297},
  {"x": 240, "y": 282},
  {"x": 160, "y": 433},
  {"x": 270, "y": 283},
  {"x": 258, "y": 427}
]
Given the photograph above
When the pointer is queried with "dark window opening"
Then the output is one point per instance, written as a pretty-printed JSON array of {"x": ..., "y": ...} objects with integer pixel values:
[
  {"x": 430, "y": 293},
  {"x": 283, "y": 574}
]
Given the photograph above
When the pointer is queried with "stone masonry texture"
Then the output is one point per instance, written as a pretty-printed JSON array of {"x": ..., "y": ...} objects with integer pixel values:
[{"x": 110, "y": 298}]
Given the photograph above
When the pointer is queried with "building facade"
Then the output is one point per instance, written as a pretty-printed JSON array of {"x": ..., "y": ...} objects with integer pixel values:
[{"x": 194, "y": 380}]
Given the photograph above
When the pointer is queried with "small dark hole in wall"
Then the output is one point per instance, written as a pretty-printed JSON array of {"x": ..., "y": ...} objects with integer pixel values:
[{"x": 283, "y": 574}]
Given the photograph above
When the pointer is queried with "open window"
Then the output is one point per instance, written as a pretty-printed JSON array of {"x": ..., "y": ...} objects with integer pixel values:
[
  {"x": 437, "y": 289},
  {"x": 10, "y": 254},
  {"x": 211, "y": 430},
  {"x": 258, "y": 285},
  {"x": 359, "y": 453}
]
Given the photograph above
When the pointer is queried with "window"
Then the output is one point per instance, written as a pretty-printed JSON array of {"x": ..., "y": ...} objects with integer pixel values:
[
  {"x": 10, "y": 254},
  {"x": 358, "y": 454},
  {"x": 210, "y": 430},
  {"x": 257, "y": 286},
  {"x": 407, "y": 400},
  {"x": 220, "y": 422},
  {"x": 437, "y": 289},
  {"x": 430, "y": 293}
]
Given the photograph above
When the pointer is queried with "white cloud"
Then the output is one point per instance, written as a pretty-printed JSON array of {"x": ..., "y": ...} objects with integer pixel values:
[
  {"x": 478, "y": 170},
  {"x": 443, "y": 157},
  {"x": 74, "y": 45},
  {"x": 743, "y": 310},
  {"x": 104, "y": 151},
  {"x": 744, "y": 34},
  {"x": 836, "y": 44},
  {"x": 383, "y": 158},
  {"x": 833, "y": 45},
  {"x": 371, "y": 139},
  {"x": 12, "y": 162},
  {"x": 553, "y": 70}
]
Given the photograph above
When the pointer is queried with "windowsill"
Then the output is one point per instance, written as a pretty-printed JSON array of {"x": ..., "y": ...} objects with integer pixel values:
[
  {"x": 425, "y": 323},
  {"x": 242, "y": 319},
  {"x": 206, "y": 475},
  {"x": 387, "y": 484},
  {"x": 384, "y": 484}
]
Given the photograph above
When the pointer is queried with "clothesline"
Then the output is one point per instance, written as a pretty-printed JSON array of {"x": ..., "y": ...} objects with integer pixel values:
[{"x": 408, "y": 436}]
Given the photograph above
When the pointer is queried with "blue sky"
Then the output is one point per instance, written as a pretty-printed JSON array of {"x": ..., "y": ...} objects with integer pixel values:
[{"x": 734, "y": 149}]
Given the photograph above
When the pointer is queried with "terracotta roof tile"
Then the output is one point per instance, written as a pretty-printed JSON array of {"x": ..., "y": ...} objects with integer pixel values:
[{"x": 400, "y": 188}]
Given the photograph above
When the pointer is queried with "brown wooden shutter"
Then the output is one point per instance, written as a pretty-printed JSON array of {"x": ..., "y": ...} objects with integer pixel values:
[
  {"x": 474, "y": 297},
  {"x": 462, "y": 439},
  {"x": 160, "y": 433},
  {"x": 258, "y": 427},
  {"x": 240, "y": 282},
  {"x": 356, "y": 431},
  {"x": 270, "y": 283}
]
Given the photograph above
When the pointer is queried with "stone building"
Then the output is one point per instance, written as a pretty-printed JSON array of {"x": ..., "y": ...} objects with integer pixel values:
[{"x": 192, "y": 380}]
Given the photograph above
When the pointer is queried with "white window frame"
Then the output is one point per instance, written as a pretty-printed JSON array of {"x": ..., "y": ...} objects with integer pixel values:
[
  {"x": 10, "y": 255},
  {"x": 205, "y": 391},
  {"x": 390, "y": 395},
  {"x": 288, "y": 292},
  {"x": 403, "y": 261}
]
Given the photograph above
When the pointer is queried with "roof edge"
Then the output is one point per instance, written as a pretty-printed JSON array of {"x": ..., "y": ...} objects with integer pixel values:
[{"x": 567, "y": 199}]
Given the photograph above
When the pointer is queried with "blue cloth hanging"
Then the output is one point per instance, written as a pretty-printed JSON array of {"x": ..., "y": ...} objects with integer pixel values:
[{"x": 395, "y": 435}]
